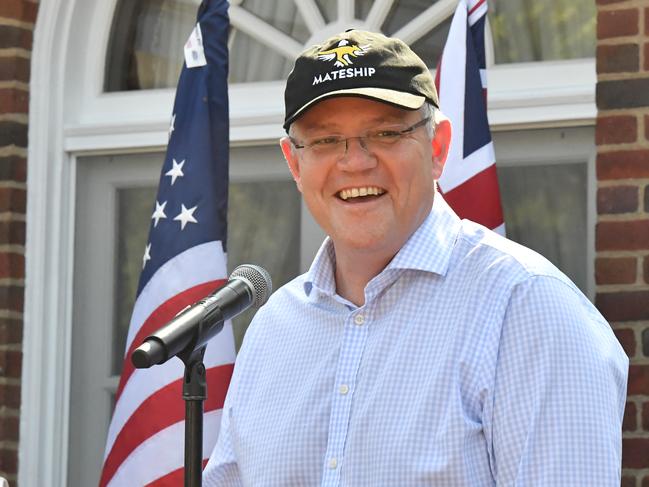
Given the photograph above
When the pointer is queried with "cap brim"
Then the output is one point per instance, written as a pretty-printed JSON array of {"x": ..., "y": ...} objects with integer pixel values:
[{"x": 408, "y": 101}]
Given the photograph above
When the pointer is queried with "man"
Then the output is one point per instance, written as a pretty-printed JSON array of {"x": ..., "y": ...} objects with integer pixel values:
[{"x": 418, "y": 349}]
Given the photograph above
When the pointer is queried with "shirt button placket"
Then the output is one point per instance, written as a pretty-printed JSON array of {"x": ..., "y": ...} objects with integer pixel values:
[{"x": 349, "y": 362}]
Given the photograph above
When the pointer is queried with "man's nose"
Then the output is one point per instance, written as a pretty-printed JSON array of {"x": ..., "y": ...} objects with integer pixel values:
[{"x": 357, "y": 156}]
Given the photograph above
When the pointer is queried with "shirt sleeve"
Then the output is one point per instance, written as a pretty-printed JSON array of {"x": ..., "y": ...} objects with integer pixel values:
[
  {"x": 559, "y": 391},
  {"x": 222, "y": 469}
]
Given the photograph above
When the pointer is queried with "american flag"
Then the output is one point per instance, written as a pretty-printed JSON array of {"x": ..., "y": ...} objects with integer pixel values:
[
  {"x": 469, "y": 181},
  {"x": 184, "y": 261}
]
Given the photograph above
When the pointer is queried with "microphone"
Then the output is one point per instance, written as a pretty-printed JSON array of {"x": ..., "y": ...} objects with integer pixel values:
[{"x": 248, "y": 285}]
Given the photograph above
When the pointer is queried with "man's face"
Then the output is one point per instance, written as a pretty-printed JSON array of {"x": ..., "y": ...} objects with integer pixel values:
[{"x": 402, "y": 174}]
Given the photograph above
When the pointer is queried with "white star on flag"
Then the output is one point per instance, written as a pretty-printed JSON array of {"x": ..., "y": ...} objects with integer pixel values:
[
  {"x": 176, "y": 171},
  {"x": 147, "y": 255},
  {"x": 186, "y": 216},
  {"x": 158, "y": 213},
  {"x": 171, "y": 125}
]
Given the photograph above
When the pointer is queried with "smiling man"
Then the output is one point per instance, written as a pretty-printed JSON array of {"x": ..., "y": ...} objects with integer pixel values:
[{"x": 419, "y": 349}]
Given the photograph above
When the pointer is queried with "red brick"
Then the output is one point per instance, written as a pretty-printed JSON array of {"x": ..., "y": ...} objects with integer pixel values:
[
  {"x": 14, "y": 101},
  {"x": 8, "y": 459},
  {"x": 617, "y": 23},
  {"x": 13, "y": 133},
  {"x": 645, "y": 416},
  {"x": 623, "y": 306},
  {"x": 622, "y": 93},
  {"x": 617, "y": 199},
  {"x": 646, "y": 60},
  {"x": 615, "y": 270},
  {"x": 630, "y": 422},
  {"x": 626, "y": 337},
  {"x": 622, "y": 235},
  {"x": 638, "y": 380},
  {"x": 623, "y": 164},
  {"x": 616, "y": 129},
  {"x": 11, "y": 331},
  {"x": 645, "y": 266},
  {"x": 11, "y": 36},
  {"x": 12, "y": 298},
  {"x": 9, "y": 428},
  {"x": 12, "y": 232},
  {"x": 18, "y": 10},
  {"x": 10, "y": 396},
  {"x": 645, "y": 342},
  {"x": 634, "y": 452},
  {"x": 645, "y": 482},
  {"x": 16, "y": 68},
  {"x": 618, "y": 58},
  {"x": 13, "y": 168},
  {"x": 12, "y": 265},
  {"x": 628, "y": 481},
  {"x": 646, "y": 127},
  {"x": 13, "y": 199},
  {"x": 11, "y": 363}
]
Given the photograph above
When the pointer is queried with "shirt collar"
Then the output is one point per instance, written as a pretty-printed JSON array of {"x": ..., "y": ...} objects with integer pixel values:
[
  {"x": 321, "y": 272},
  {"x": 428, "y": 249}
]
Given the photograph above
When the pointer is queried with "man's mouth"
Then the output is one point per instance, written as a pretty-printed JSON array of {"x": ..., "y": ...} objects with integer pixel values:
[{"x": 360, "y": 193}]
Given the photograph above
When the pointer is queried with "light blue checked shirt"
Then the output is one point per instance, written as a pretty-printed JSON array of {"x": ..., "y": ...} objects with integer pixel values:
[{"x": 473, "y": 362}]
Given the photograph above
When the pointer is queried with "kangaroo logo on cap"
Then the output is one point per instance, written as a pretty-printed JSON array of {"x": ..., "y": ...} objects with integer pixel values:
[{"x": 343, "y": 53}]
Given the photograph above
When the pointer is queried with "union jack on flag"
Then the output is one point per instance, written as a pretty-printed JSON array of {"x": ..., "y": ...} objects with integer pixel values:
[
  {"x": 469, "y": 181},
  {"x": 184, "y": 261}
]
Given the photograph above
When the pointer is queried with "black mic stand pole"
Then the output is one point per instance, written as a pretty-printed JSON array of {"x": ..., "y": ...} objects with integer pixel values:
[{"x": 194, "y": 394}]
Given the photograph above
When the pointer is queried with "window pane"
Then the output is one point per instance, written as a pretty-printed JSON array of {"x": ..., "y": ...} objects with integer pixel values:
[
  {"x": 250, "y": 60},
  {"x": 264, "y": 229},
  {"x": 146, "y": 46},
  {"x": 328, "y": 9},
  {"x": 147, "y": 39},
  {"x": 402, "y": 12},
  {"x": 545, "y": 209},
  {"x": 542, "y": 30},
  {"x": 134, "y": 208},
  {"x": 429, "y": 48}
]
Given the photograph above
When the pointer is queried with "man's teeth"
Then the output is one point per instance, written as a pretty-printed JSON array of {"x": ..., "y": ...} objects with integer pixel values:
[{"x": 362, "y": 191}]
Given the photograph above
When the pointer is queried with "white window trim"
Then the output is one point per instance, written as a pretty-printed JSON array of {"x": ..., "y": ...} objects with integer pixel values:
[{"x": 69, "y": 115}]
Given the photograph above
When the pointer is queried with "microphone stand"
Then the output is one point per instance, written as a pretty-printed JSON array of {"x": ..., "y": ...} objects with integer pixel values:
[{"x": 194, "y": 394}]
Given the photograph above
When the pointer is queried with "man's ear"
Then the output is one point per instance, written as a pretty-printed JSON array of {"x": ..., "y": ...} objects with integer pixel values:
[
  {"x": 291, "y": 160},
  {"x": 441, "y": 143}
]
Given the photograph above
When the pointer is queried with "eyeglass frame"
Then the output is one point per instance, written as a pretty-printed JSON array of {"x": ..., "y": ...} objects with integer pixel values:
[{"x": 399, "y": 134}]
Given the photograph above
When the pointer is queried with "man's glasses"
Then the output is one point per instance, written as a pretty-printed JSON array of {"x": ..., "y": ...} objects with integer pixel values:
[{"x": 335, "y": 146}]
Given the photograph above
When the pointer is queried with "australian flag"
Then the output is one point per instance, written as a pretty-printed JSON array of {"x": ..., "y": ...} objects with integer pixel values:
[
  {"x": 184, "y": 260},
  {"x": 469, "y": 181}
]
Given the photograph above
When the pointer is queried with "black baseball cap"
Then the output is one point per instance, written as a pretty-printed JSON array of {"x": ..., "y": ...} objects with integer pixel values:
[{"x": 358, "y": 63}]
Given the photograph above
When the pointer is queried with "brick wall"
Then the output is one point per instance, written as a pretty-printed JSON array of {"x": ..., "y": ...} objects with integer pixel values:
[
  {"x": 17, "y": 19},
  {"x": 622, "y": 233}
]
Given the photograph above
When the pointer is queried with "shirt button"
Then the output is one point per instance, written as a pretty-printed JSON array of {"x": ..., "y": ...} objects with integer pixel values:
[
  {"x": 359, "y": 319},
  {"x": 333, "y": 463},
  {"x": 343, "y": 389}
]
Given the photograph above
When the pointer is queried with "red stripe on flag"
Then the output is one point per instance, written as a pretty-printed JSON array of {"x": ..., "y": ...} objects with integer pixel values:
[
  {"x": 172, "y": 479},
  {"x": 160, "y": 410},
  {"x": 162, "y": 315},
  {"x": 478, "y": 199},
  {"x": 477, "y": 5}
]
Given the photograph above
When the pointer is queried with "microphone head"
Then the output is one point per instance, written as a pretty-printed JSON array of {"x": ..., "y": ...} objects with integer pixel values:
[{"x": 258, "y": 279}]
